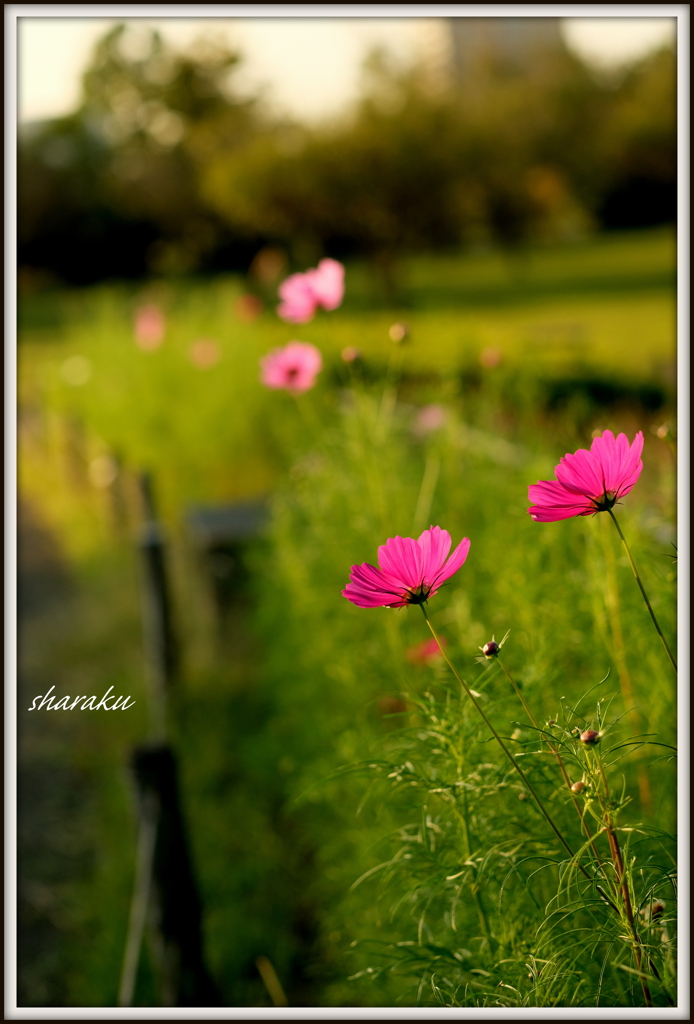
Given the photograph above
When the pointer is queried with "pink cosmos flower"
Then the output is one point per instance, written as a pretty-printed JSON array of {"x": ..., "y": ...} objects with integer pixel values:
[
  {"x": 589, "y": 481},
  {"x": 150, "y": 326},
  {"x": 411, "y": 571},
  {"x": 298, "y": 304},
  {"x": 328, "y": 283},
  {"x": 429, "y": 419},
  {"x": 293, "y": 368},
  {"x": 204, "y": 353},
  {"x": 490, "y": 357},
  {"x": 302, "y": 294},
  {"x": 248, "y": 308},
  {"x": 426, "y": 652}
]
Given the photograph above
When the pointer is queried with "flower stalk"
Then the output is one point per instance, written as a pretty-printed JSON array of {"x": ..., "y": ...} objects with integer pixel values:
[
  {"x": 528, "y": 784},
  {"x": 612, "y": 838},
  {"x": 623, "y": 881},
  {"x": 559, "y": 760},
  {"x": 642, "y": 589}
]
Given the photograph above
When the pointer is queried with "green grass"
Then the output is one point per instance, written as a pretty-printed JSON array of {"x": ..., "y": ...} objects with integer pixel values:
[
  {"x": 302, "y": 683},
  {"x": 333, "y": 666},
  {"x": 215, "y": 435}
]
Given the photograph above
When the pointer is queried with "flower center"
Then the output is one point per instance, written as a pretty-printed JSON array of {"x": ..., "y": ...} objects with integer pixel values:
[
  {"x": 605, "y": 502},
  {"x": 418, "y": 595}
]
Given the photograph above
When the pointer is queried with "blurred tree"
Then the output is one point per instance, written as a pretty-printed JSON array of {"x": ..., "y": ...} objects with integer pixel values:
[
  {"x": 112, "y": 190},
  {"x": 641, "y": 187},
  {"x": 506, "y": 155},
  {"x": 163, "y": 168},
  {"x": 413, "y": 168},
  {"x": 376, "y": 184}
]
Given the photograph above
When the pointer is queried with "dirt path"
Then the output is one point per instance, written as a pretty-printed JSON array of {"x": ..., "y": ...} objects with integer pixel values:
[{"x": 52, "y": 797}]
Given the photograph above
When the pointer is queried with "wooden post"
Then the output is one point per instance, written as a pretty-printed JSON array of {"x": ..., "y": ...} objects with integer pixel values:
[
  {"x": 164, "y": 881},
  {"x": 174, "y": 901},
  {"x": 161, "y": 647}
]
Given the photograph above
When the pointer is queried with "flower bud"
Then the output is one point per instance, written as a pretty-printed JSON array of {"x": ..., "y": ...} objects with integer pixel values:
[
  {"x": 578, "y": 787},
  {"x": 590, "y": 737},
  {"x": 490, "y": 649}
]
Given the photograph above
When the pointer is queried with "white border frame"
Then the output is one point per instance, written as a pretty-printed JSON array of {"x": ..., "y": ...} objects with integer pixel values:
[{"x": 12, "y": 12}]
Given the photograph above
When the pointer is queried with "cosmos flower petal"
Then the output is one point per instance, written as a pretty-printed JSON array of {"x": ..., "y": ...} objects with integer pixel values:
[
  {"x": 401, "y": 558},
  {"x": 631, "y": 467},
  {"x": 636, "y": 449},
  {"x": 369, "y": 588},
  {"x": 581, "y": 473},
  {"x": 295, "y": 313},
  {"x": 327, "y": 283},
  {"x": 454, "y": 563},
  {"x": 555, "y": 514},
  {"x": 302, "y": 294},
  {"x": 372, "y": 588},
  {"x": 611, "y": 454},
  {"x": 435, "y": 544},
  {"x": 299, "y": 303},
  {"x": 554, "y": 495},
  {"x": 371, "y": 578},
  {"x": 367, "y": 599}
]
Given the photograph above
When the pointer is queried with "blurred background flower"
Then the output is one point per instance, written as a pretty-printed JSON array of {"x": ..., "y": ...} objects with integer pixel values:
[
  {"x": 349, "y": 354},
  {"x": 293, "y": 368},
  {"x": 426, "y": 652},
  {"x": 205, "y": 353},
  {"x": 248, "y": 308},
  {"x": 302, "y": 294},
  {"x": 490, "y": 357},
  {"x": 399, "y": 333},
  {"x": 429, "y": 419},
  {"x": 150, "y": 326}
]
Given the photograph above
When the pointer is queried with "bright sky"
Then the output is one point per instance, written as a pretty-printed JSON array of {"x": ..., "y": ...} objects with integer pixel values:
[{"x": 310, "y": 66}]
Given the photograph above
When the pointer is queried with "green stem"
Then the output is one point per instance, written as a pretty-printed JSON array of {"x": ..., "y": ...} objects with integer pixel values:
[
  {"x": 619, "y": 651},
  {"x": 505, "y": 749},
  {"x": 560, "y": 762},
  {"x": 645, "y": 595},
  {"x": 307, "y": 413},
  {"x": 520, "y": 696},
  {"x": 474, "y": 887},
  {"x": 623, "y": 883}
]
